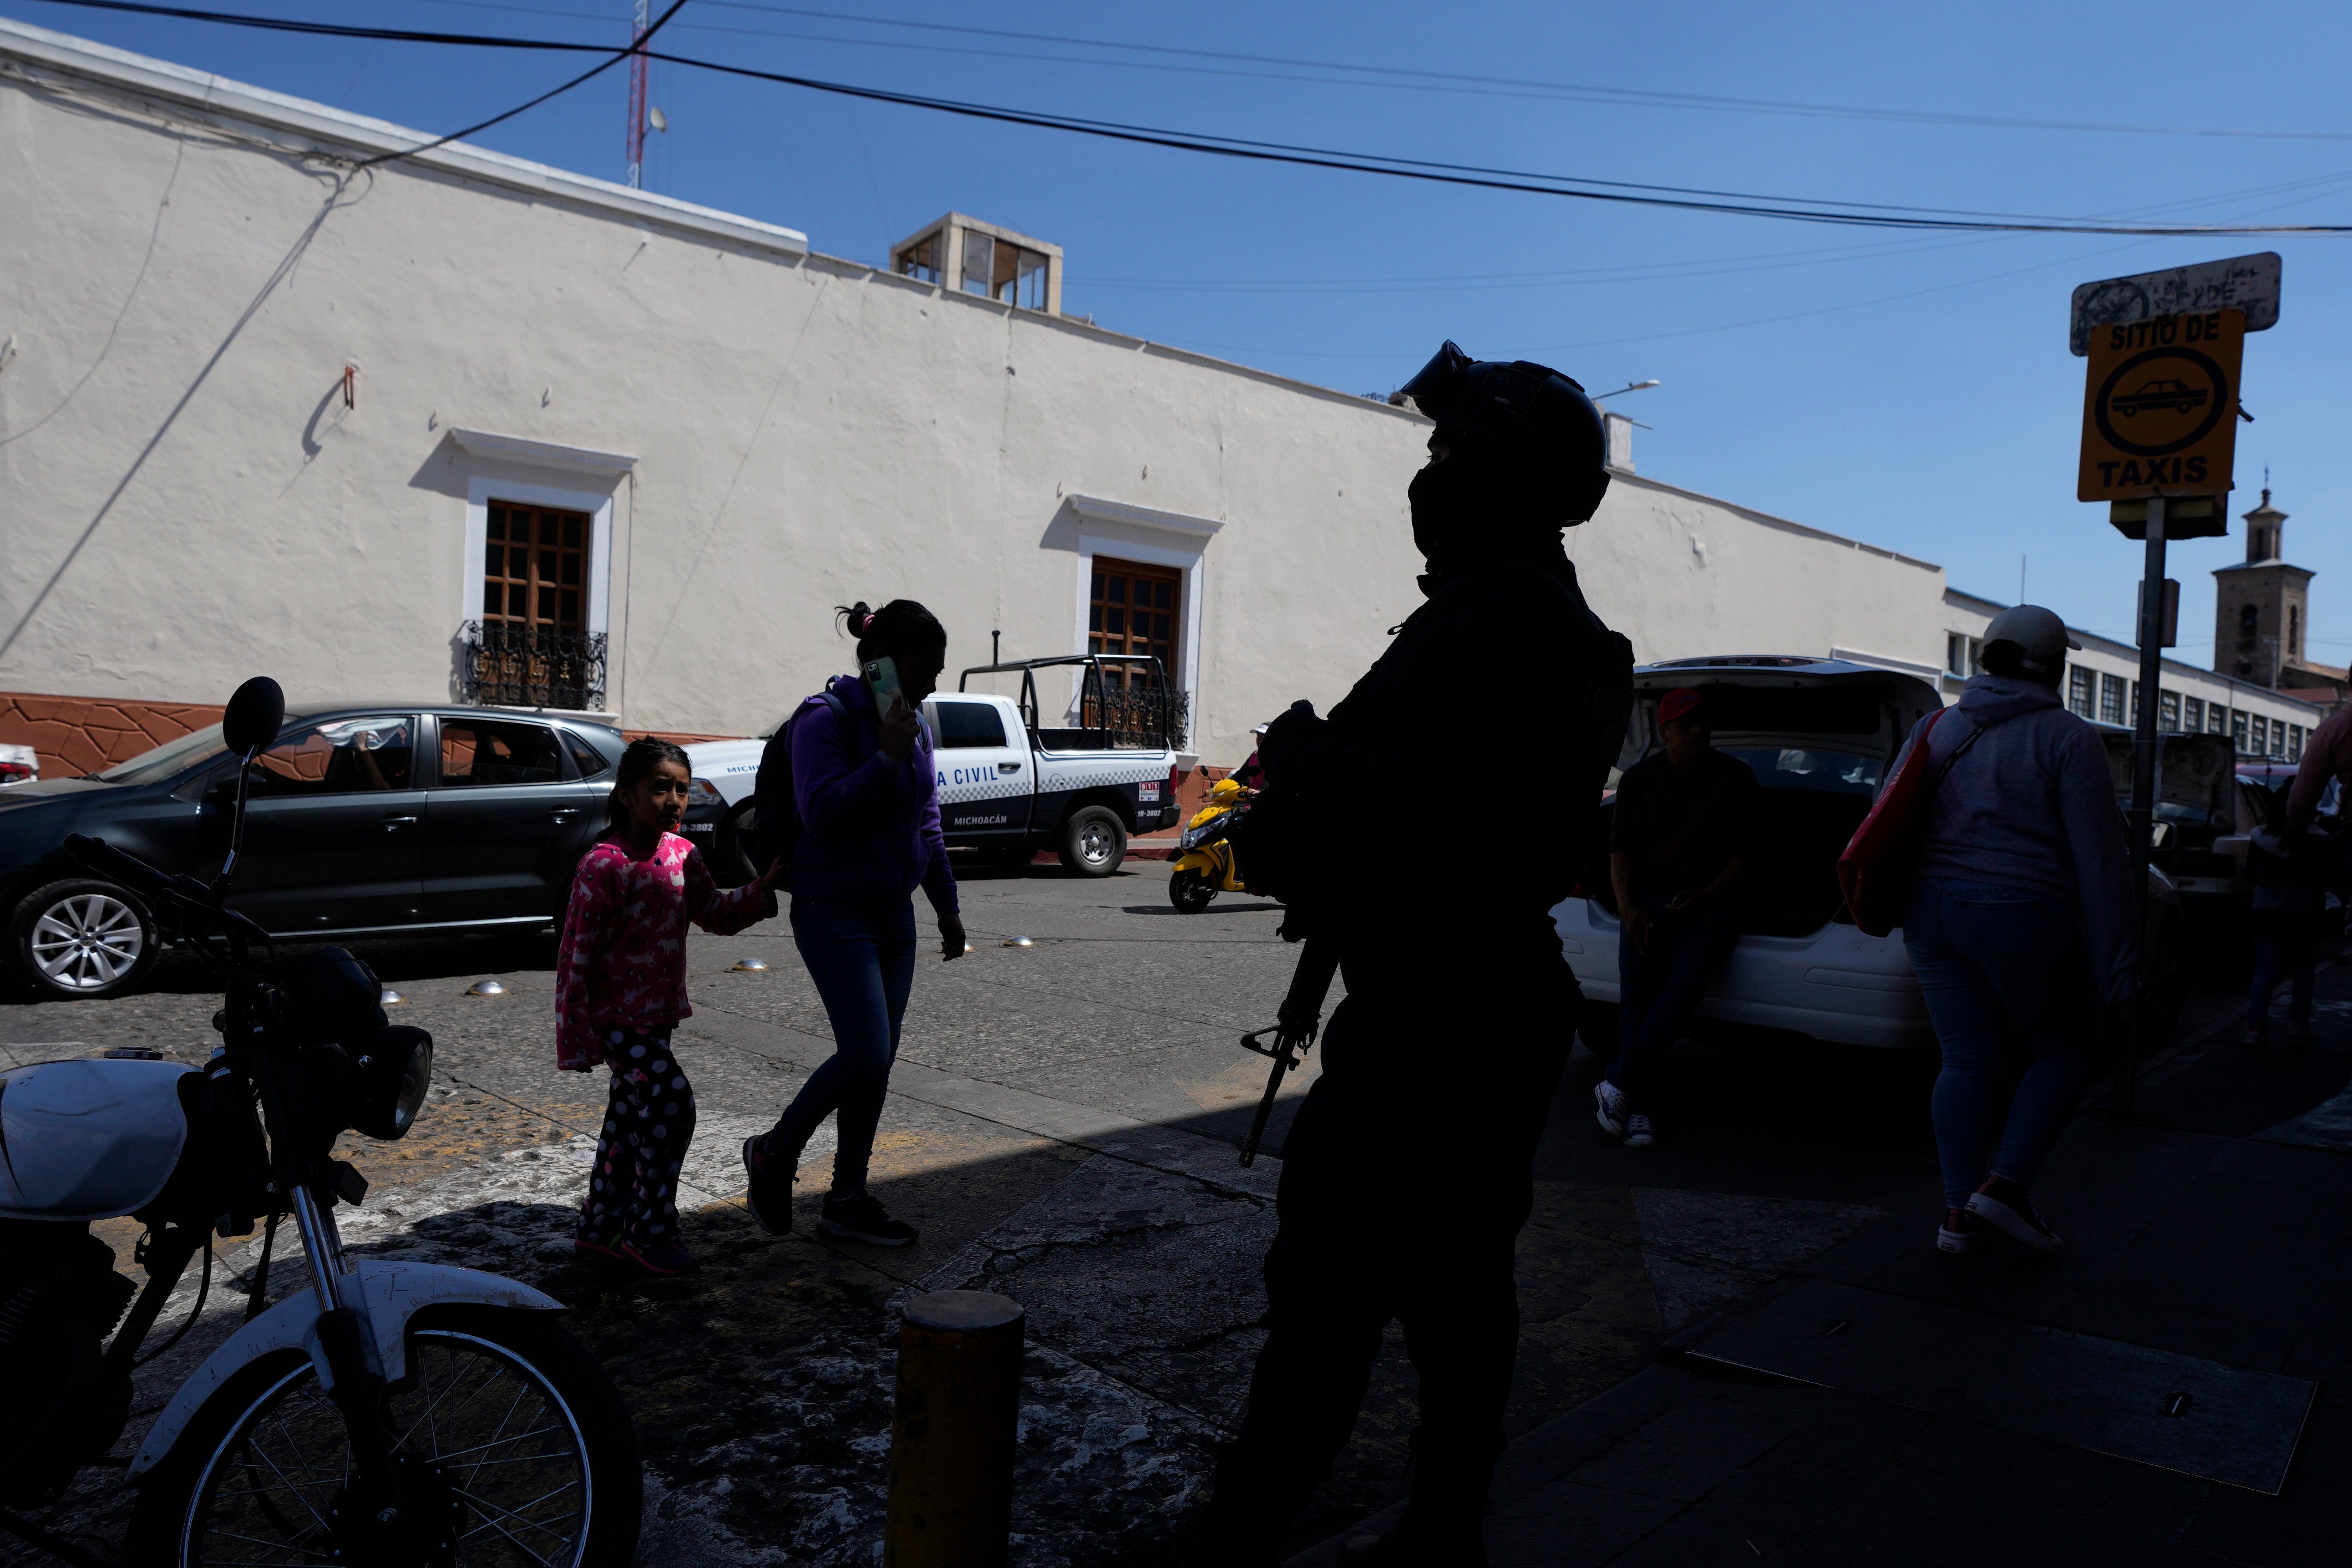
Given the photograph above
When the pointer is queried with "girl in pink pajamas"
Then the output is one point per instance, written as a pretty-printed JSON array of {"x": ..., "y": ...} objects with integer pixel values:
[{"x": 620, "y": 988}]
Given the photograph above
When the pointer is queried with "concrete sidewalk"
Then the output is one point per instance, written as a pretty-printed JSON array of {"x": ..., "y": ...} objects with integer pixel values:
[{"x": 2175, "y": 1388}]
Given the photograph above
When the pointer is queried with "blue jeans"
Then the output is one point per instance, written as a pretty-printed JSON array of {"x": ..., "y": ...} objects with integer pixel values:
[
  {"x": 1659, "y": 989},
  {"x": 863, "y": 962},
  {"x": 1994, "y": 960},
  {"x": 2294, "y": 958}
]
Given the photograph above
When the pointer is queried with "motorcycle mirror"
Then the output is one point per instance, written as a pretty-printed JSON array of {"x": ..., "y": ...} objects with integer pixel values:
[{"x": 255, "y": 716}]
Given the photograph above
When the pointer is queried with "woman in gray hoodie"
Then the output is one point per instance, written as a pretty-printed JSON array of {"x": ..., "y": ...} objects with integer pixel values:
[{"x": 2020, "y": 916}]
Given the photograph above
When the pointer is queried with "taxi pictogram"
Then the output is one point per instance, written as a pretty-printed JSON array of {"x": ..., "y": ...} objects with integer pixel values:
[{"x": 2160, "y": 404}]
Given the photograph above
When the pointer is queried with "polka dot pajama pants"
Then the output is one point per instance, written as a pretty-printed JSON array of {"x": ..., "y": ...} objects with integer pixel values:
[{"x": 648, "y": 1123}]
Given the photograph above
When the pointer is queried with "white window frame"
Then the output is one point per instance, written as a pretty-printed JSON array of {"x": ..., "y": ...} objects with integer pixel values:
[
  {"x": 1186, "y": 549},
  {"x": 545, "y": 460}
]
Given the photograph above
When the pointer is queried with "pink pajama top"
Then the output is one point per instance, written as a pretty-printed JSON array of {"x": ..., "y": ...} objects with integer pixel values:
[{"x": 623, "y": 962}]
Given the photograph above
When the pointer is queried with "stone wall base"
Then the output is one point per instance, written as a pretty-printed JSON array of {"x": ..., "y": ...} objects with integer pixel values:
[{"x": 75, "y": 736}]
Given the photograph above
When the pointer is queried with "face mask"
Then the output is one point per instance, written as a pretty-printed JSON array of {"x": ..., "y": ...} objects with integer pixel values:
[{"x": 1440, "y": 495}]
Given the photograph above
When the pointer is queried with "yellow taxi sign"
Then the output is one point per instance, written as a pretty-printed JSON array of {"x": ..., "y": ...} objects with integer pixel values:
[{"x": 2160, "y": 406}]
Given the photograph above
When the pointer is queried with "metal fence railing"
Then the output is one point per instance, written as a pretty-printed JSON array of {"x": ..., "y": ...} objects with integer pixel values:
[
  {"x": 508, "y": 665},
  {"x": 1139, "y": 715}
]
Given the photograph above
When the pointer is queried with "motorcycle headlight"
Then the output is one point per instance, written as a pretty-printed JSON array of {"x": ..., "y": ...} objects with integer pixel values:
[
  {"x": 395, "y": 1068},
  {"x": 702, "y": 792}
]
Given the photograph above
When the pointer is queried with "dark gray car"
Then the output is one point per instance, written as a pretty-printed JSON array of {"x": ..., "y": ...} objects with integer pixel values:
[{"x": 365, "y": 820}]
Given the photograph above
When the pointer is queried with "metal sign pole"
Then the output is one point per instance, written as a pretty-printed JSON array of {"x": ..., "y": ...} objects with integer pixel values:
[{"x": 2143, "y": 806}]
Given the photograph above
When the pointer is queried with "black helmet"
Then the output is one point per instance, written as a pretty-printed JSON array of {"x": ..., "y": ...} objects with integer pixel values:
[{"x": 1529, "y": 412}]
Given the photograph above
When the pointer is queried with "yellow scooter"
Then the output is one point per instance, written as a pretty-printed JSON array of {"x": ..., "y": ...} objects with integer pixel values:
[{"x": 1205, "y": 866}]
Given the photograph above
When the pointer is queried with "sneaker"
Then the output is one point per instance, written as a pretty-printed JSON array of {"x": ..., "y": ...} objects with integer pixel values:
[
  {"x": 1610, "y": 1114},
  {"x": 1960, "y": 1232},
  {"x": 2003, "y": 1204},
  {"x": 1638, "y": 1135},
  {"x": 770, "y": 1198},
  {"x": 862, "y": 1218},
  {"x": 592, "y": 1249},
  {"x": 2298, "y": 1037},
  {"x": 663, "y": 1257}
]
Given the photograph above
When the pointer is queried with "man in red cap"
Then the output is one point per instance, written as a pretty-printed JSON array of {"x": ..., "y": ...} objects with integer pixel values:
[{"x": 1679, "y": 836}]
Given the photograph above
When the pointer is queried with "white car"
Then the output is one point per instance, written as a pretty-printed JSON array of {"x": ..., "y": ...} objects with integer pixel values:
[
  {"x": 20, "y": 765},
  {"x": 1820, "y": 734}
]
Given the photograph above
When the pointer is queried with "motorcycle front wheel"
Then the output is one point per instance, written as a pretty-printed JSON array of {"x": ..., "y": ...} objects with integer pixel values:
[
  {"x": 513, "y": 1449},
  {"x": 1190, "y": 892}
]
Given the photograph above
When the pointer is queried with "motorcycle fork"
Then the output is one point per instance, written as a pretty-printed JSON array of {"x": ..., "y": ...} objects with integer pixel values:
[{"x": 346, "y": 1338}]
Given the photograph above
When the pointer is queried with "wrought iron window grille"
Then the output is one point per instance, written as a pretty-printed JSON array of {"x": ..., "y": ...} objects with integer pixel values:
[{"x": 510, "y": 666}]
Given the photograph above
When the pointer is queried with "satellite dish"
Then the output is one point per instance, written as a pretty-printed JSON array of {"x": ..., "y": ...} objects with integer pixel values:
[{"x": 657, "y": 118}]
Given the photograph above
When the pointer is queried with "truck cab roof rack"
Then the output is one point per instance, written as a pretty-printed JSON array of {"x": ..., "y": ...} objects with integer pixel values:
[{"x": 1155, "y": 700}]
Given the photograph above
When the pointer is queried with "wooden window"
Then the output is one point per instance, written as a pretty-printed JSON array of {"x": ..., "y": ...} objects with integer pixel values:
[
  {"x": 1135, "y": 609},
  {"x": 535, "y": 566}
]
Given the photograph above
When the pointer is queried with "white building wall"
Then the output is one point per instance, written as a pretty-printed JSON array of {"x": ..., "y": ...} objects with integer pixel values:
[
  {"x": 771, "y": 434},
  {"x": 761, "y": 433}
]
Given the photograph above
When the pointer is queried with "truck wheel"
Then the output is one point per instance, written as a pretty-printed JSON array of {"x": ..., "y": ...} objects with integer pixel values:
[
  {"x": 1093, "y": 841},
  {"x": 83, "y": 938},
  {"x": 1190, "y": 892}
]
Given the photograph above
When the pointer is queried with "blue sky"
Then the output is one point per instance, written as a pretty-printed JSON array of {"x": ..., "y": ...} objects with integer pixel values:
[{"x": 1914, "y": 391}]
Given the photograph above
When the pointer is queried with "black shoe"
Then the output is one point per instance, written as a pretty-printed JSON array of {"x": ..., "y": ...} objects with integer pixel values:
[
  {"x": 770, "y": 1198},
  {"x": 862, "y": 1218}
]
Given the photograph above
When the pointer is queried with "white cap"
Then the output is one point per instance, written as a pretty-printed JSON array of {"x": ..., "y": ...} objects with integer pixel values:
[{"x": 2037, "y": 633}]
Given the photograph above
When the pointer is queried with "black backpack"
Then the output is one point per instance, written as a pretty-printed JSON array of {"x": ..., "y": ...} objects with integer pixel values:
[{"x": 773, "y": 830}]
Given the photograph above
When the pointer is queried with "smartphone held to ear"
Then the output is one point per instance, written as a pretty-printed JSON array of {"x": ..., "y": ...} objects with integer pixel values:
[{"x": 882, "y": 681}]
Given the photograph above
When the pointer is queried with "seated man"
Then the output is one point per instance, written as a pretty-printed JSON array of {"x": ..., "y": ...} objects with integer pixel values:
[{"x": 1678, "y": 839}]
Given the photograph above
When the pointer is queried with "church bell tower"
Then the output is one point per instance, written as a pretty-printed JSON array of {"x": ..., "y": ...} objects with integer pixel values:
[{"x": 2261, "y": 605}]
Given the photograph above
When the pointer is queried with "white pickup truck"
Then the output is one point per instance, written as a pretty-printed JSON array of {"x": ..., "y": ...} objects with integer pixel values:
[{"x": 1007, "y": 786}]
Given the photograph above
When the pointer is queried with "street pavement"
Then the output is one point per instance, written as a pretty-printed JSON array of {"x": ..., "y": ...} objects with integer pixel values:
[{"x": 1063, "y": 1128}]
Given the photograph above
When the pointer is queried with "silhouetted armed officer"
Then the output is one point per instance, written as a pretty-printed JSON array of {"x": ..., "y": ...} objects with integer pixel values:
[{"x": 1408, "y": 1172}]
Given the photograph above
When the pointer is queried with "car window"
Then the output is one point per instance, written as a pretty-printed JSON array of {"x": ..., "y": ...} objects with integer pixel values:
[
  {"x": 1805, "y": 767},
  {"x": 586, "y": 757},
  {"x": 498, "y": 751},
  {"x": 342, "y": 756},
  {"x": 167, "y": 760},
  {"x": 969, "y": 724}
]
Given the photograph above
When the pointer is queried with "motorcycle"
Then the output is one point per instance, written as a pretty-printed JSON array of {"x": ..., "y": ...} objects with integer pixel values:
[
  {"x": 390, "y": 1413},
  {"x": 1204, "y": 864}
]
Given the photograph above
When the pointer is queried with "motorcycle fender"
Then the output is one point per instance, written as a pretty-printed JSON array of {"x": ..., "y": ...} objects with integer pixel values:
[
  {"x": 392, "y": 1293},
  {"x": 1194, "y": 859}
]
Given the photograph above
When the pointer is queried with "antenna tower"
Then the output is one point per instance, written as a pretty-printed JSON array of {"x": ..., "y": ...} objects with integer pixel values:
[{"x": 637, "y": 99}]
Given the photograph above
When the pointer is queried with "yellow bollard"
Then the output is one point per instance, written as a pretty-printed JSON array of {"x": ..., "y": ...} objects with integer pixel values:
[{"x": 952, "y": 1437}]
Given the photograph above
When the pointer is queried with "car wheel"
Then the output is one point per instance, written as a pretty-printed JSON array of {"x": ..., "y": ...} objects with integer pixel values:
[
  {"x": 730, "y": 858},
  {"x": 83, "y": 938},
  {"x": 1093, "y": 841},
  {"x": 1190, "y": 892}
]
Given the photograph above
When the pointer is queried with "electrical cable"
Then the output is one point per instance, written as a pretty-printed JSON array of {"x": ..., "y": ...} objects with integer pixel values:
[
  {"x": 636, "y": 46},
  {"x": 1814, "y": 210}
]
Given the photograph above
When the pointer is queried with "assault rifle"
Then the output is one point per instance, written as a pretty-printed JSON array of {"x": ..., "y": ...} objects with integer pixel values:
[{"x": 1300, "y": 1015}]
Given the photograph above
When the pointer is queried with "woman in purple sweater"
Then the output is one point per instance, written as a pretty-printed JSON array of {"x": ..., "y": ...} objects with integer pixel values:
[{"x": 866, "y": 792}]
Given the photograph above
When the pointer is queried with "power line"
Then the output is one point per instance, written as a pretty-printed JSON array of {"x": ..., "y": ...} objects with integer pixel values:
[
  {"x": 1573, "y": 91},
  {"x": 1814, "y": 210},
  {"x": 636, "y": 48}
]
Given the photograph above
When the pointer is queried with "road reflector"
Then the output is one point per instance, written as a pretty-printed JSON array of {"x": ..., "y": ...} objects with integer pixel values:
[
  {"x": 751, "y": 966},
  {"x": 485, "y": 988},
  {"x": 390, "y": 998},
  {"x": 1020, "y": 942}
]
